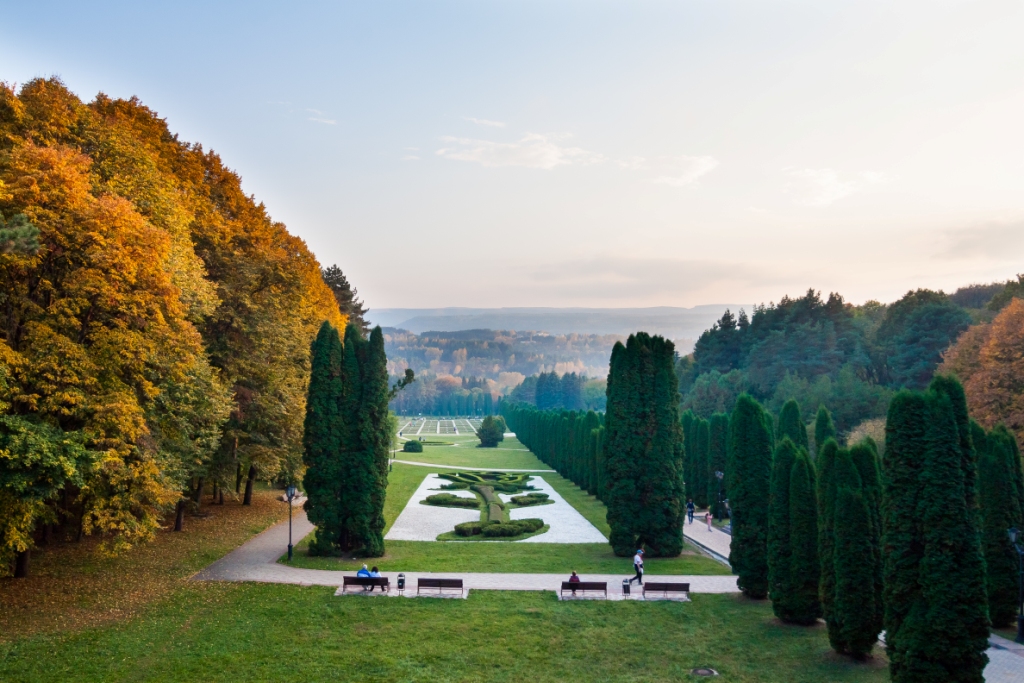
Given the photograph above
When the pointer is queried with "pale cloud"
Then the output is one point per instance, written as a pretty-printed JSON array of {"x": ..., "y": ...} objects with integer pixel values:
[
  {"x": 633, "y": 163},
  {"x": 686, "y": 170},
  {"x": 329, "y": 122},
  {"x": 484, "y": 122},
  {"x": 998, "y": 240},
  {"x": 533, "y": 150},
  {"x": 823, "y": 186}
]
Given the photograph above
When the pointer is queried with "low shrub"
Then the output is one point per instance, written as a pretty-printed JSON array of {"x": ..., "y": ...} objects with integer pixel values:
[
  {"x": 469, "y": 528},
  {"x": 513, "y": 528},
  {"x": 448, "y": 500},
  {"x": 530, "y": 499},
  {"x": 412, "y": 447},
  {"x": 454, "y": 487}
]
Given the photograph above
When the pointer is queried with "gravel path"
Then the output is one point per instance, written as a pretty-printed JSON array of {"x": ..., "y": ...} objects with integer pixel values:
[
  {"x": 716, "y": 541},
  {"x": 567, "y": 524},
  {"x": 425, "y": 522}
]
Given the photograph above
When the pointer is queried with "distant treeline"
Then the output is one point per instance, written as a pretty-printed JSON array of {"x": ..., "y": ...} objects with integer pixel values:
[{"x": 827, "y": 352}]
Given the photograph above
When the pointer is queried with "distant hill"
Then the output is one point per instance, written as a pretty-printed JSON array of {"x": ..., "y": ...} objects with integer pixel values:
[{"x": 681, "y": 324}]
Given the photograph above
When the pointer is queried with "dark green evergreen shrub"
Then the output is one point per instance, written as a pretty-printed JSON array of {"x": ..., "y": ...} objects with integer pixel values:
[
  {"x": 514, "y": 528},
  {"x": 469, "y": 528},
  {"x": 448, "y": 500},
  {"x": 791, "y": 424},
  {"x": 718, "y": 456},
  {"x": 828, "y": 453},
  {"x": 936, "y": 619},
  {"x": 491, "y": 432},
  {"x": 999, "y": 511},
  {"x": 824, "y": 428},
  {"x": 803, "y": 605},
  {"x": 531, "y": 499},
  {"x": 779, "y": 546},
  {"x": 412, "y": 447},
  {"x": 749, "y": 477}
]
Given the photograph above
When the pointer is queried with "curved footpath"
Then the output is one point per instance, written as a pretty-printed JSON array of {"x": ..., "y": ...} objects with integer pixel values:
[{"x": 256, "y": 560}]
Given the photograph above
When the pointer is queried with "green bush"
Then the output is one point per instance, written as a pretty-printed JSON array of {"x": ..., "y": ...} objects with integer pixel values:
[
  {"x": 513, "y": 528},
  {"x": 530, "y": 499},
  {"x": 469, "y": 528},
  {"x": 412, "y": 447},
  {"x": 454, "y": 487},
  {"x": 448, "y": 500}
]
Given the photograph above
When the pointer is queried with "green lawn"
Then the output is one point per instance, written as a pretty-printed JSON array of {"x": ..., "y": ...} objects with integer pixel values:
[
  {"x": 510, "y": 454},
  {"x": 263, "y": 632}
]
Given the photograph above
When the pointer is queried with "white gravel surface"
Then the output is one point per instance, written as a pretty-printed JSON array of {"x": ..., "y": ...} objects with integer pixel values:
[
  {"x": 567, "y": 525},
  {"x": 426, "y": 522}
]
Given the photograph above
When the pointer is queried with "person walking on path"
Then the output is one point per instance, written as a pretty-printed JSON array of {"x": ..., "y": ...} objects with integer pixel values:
[
  {"x": 708, "y": 517},
  {"x": 638, "y": 567},
  {"x": 690, "y": 507}
]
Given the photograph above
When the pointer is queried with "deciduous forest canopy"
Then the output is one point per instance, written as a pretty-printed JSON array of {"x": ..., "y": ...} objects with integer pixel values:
[{"x": 156, "y": 322}]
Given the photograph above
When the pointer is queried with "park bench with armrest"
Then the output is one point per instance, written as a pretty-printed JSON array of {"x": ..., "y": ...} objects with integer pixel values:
[
  {"x": 585, "y": 587},
  {"x": 365, "y": 582},
  {"x": 667, "y": 590},
  {"x": 440, "y": 585}
]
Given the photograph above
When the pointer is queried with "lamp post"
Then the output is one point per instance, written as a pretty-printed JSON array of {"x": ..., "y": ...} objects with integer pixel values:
[
  {"x": 1013, "y": 533},
  {"x": 718, "y": 500},
  {"x": 290, "y": 492}
]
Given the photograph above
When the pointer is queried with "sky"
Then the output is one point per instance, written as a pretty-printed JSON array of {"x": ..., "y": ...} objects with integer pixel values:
[{"x": 497, "y": 153}]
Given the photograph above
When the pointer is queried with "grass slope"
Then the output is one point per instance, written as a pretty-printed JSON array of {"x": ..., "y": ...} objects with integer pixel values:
[
  {"x": 510, "y": 454},
  {"x": 260, "y": 632}
]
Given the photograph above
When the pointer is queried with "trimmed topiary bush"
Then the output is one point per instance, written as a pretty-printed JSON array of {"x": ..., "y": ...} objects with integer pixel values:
[
  {"x": 531, "y": 499},
  {"x": 412, "y": 447},
  {"x": 449, "y": 501},
  {"x": 469, "y": 528},
  {"x": 513, "y": 528}
]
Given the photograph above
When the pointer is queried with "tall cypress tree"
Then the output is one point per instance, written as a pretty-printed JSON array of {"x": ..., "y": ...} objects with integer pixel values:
[
  {"x": 828, "y": 453},
  {"x": 864, "y": 456},
  {"x": 935, "y": 595},
  {"x": 779, "y": 545},
  {"x": 718, "y": 453},
  {"x": 321, "y": 442},
  {"x": 791, "y": 424},
  {"x": 804, "y": 606},
  {"x": 1016, "y": 465},
  {"x": 687, "y": 420},
  {"x": 749, "y": 475},
  {"x": 375, "y": 430},
  {"x": 1000, "y": 510},
  {"x": 701, "y": 457},
  {"x": 824, "y": 429},
  {"x": 854, "y": 612},
  {"x": 643, "y": 449}
]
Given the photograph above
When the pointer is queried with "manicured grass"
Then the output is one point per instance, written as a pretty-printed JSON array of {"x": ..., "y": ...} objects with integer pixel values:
[
  {"x": 263, "y": 632},
  {"x": 72, "y": 585},
  {"x": 403, "y": 480},
  {"x": 510, "y": 454},
  {"x": 541, "y": 558}
]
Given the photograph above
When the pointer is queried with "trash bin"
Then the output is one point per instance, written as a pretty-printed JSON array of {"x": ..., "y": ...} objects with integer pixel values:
[
  {"x": 625, "y": 586},
  {"x": 401, "y": 582}
]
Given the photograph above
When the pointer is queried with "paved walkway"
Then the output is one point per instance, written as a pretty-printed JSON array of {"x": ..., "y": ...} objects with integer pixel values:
[
  {"x": 716, "y": 541},
  {"x": 457, "y": 467},
  {"x": 256, "y": 560}
]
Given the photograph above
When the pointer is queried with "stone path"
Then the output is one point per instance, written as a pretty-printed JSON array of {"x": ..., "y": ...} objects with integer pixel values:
[
  {"x": 1005, "y": 661},
  {"x": 567, "y": 524},
  {"x": 472, "y": 469},
  {"x": 717, "y": 542},
  {"x": 419, "y": 522},
  {"x": 256, "y": 560}
]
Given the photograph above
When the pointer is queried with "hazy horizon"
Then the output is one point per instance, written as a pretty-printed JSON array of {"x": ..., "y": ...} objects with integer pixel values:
[{"x": 597, "y": 155}]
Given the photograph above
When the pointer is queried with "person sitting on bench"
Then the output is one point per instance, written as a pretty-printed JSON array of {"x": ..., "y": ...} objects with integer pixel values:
[
  {"x": 574, "y": 579},
  {"x": 375, "y": 574},
  {"x": 363, "y": 573}
]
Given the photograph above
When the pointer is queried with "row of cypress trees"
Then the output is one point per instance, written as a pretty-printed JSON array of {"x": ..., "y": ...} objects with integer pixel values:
[
  {"x": 346, "y": 440},
  {"x": 568, "y": 441},
  {"x": 705, "y": 452}
]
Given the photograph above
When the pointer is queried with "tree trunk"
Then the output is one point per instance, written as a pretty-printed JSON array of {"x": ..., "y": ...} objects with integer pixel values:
[
  {"x": 221, "y": 499},
  {"x": 213, "y": 496},
  {"x": 238, "y": 479},
  {"x": 47, "y": 534},
  {"x": 249, "y": 483},
  {"x": 179, "y": 516},
  {"x": 21, "y": 564},
  {"x": 199, "y": 493}
]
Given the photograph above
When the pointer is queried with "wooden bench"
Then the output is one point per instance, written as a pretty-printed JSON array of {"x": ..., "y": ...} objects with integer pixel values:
[
  {"x": 667, "y": 589},
  {"x": 365, "y": 582},
  {"x": 441, "y": 585},
  {"x": 585, "y": 587}
]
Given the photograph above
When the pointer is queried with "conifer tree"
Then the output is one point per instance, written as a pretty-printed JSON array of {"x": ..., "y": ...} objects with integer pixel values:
[
  {"x": 701, "y": 458},
  {"x": 749, "y": 475},
  {"x": 855, "y": 628},
  {"x": 1000, "y": 510},
  {"x": 687, "y": 421},
  {"x": 828, "y": 453},
  {"x": 804, "y": 567},
  {"x": 643, "y": 448},
  {"x": 779, "y": 545},
  {"x": 824, "y": 428},
  {"x": 791, "y": 424},
  {"x": 718, "y": 457},
  {"x": 864, "y": 456},
  {"x": 322, "y": 441},
  {"x": 935, "y": 596}
]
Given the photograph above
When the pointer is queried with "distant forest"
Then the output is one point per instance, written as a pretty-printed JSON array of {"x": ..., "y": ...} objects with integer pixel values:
[
  {"x": 851, "y": 359},
  {"x": 455, "y": 370}
]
